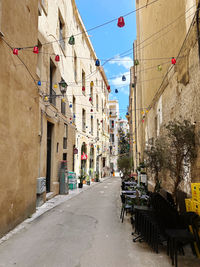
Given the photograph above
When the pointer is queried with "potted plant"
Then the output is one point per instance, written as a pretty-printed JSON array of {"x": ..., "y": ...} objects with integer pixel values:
[
  {"x": 97, "y": 177},
  {"x": 88, "y": 180},
  {"x": 81, "y": 179}
]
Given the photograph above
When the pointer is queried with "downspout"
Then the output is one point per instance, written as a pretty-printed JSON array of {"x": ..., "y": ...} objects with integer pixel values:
[
  {"x": 136, "y": 149},
  {"x": 198, "y": 31}
]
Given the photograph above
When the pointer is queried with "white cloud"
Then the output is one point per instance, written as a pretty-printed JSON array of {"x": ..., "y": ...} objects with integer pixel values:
[
  {"x": 126, "y": 62},
  {"x": 118, "y": 80}
]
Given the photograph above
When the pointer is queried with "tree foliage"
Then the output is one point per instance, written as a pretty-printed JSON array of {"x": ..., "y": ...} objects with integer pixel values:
[
  {"x": 124, "y": 165},
  {"x": 182, "y": 147},
  {"x": 124, "y": 140},
  {"x": 156, "y": 156}
]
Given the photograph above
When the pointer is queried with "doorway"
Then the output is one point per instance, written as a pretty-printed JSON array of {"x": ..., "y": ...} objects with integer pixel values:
[{"x": 49, "y": 148}]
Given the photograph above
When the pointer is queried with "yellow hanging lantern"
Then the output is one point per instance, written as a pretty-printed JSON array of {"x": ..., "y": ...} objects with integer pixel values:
[
  {"x": 63, "y": 100},
  {"x": 91, "y": 83},
  {"x": 46, "y": 98},
  {"x": 55, "y": 86}
]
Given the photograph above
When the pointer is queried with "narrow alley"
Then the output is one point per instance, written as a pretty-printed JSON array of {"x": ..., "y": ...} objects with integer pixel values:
[{"x": 83, "y": 231}]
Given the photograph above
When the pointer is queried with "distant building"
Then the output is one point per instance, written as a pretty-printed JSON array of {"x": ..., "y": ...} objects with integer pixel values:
[{"x": 114, "y": 118}]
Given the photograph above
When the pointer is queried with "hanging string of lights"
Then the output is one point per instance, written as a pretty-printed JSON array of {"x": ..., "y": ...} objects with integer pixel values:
[{"x": 120, "y": 23}]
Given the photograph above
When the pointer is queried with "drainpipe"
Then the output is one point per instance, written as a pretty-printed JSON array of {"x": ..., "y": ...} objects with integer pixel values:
[
  {"x": 198, "y": 31},
  {"x": 136, "y": 149}
]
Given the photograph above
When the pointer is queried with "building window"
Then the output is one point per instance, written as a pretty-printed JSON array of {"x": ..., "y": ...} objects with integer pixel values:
[
  {"x": 91, "y": 93},
  {"x": 65, "y": 136},
  {"x": 61, "y": 33},
  {"x": 83, "y": 120},
  {"x": 97, "y": 128},
  {"x": 75, "y": 67},
  {"x": 63, "y": 107},
  {"x": 92, "y": 125},
  {"x": 83, "y": 81},
  {"x": 52, "y": 75},
  {"x": 112, "y": 138},
  {"x": 97, "y": 102},
  {"x": 74, "y": 109},
  {"x": 112, "y": 124},
  {"x": 64, "y": 143},
  {"x": 39, "y": 60},
  {"x": 65, "y": 156}
]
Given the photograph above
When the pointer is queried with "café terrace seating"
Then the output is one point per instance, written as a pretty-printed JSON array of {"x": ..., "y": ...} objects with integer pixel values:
[{"x": 157, "y": 222}]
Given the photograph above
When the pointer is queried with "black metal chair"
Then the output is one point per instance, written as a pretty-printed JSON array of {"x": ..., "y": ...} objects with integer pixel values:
[
  {"x": 178, "y": 238},
  {"x": 126, "y": 207}
]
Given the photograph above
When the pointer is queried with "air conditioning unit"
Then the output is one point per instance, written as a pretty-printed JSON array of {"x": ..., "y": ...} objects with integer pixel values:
[{"x": 41, "y": 185}]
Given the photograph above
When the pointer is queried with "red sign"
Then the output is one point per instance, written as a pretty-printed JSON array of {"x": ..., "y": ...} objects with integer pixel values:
[
  {"x": 84, "y": 156},
  {"x": 75, "y": 150}
]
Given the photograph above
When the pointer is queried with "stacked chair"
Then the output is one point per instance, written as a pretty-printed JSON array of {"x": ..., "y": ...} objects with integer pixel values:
[{"x": 162, "y": 222}]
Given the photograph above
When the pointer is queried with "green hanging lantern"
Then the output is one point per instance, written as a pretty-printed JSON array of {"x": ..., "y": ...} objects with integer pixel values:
[
  {"x": 159, "y": 67},
  {"x": 133, "y": 85},
  {"x": 72, "y": 40},
  {"x": 136, "y": 62}
]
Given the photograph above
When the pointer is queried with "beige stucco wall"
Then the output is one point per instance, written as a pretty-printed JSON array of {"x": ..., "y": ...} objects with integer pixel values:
[
  {"x": 48, "y": 32},
  {"x": 18, "y": 114},
  {"x": 178, "y": 95}
]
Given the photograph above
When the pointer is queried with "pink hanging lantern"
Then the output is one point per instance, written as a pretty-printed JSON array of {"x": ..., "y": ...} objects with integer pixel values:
[
  {"x": 120, "y": 22},
  {"x": 15, "y": 51},
  {"x": 57, "y": 58},
  {"x": 35, "y": 50}
]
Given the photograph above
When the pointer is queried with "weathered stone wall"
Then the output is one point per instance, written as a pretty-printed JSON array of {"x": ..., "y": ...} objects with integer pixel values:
[{"x": 18, "y": 114}]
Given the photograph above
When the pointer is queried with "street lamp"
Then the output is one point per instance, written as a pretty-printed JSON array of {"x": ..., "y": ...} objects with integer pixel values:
[{"x": 63, "y": 86}]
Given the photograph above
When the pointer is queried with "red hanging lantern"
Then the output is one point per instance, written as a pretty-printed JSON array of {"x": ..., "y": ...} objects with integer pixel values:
[
  {"x": 35, "y": 50},
  {"x": 108, "y": 88},
  {"x": 90, "y": 99},
  {"x": 142, "y": 121},
  {"x": 120, "y": 22},
  {"x": 15, "y": 51},
  {"x": 83, "y": 88},
  {"x": 57, "y": 58},
  {"x": 173, "y": 61},
  {"x": 101, "y": 121},
  {"x": 70, "y": 119},
  {"x": 91, "y": 110}
]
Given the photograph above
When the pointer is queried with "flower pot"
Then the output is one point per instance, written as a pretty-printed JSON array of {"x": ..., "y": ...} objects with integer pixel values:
[{"x": 80, "y": 185}]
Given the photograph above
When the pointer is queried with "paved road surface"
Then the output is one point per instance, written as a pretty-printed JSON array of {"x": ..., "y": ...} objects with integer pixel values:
[{"x": 84, "y": 231}]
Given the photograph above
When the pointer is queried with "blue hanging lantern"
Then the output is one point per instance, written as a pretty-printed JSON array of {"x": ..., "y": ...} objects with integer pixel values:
[
  {"x": 123, "y": 78},
  {"x": 127, "y": 113},
  {"x": 70, "y": 105},
  {"x": 39, "y": 83},
  {"x": 116, "y": 91},
  {"x": 97, "y": 63},
  {"x": 74, "y": 116},
  {"x": 91, "y": 117}
]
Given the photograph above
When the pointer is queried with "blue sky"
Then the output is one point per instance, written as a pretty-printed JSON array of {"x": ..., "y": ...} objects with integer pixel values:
[{"x": 110, "y": 41}]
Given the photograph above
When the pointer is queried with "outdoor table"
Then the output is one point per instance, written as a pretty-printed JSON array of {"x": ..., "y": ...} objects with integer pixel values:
[
  {"x": 130, "y": 183},
  {"x": 128, "y": 192}
]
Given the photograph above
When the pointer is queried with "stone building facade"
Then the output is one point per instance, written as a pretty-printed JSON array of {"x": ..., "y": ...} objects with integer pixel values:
[
  {"x": 114, "y": 140},
  {"x": 162, "y": 91},
  {"x": 41, "y": 125},
  {"x": 19, "y": 113},
  {"x": 77, "y": 121}
]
